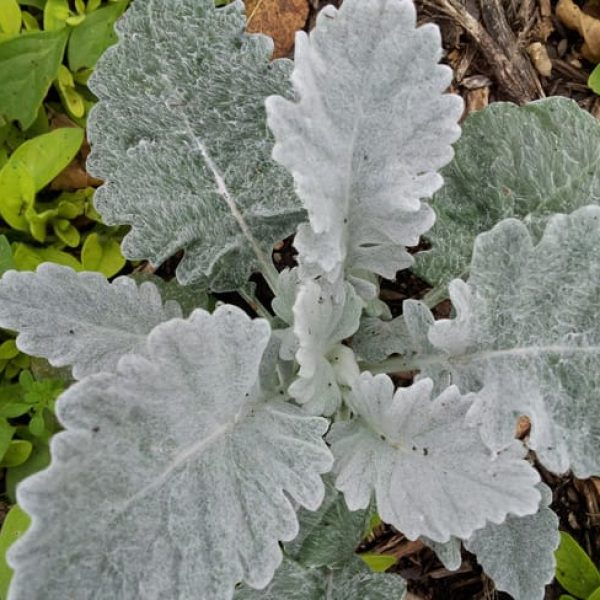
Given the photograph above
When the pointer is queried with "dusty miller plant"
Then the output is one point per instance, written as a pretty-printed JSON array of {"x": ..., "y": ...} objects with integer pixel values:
[{"x": 194, "y": 446}]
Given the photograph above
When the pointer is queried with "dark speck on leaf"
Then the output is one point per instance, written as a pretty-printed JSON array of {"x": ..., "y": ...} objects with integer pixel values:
[
  {"x": 71, "y": 332},
  {"x": 414, "y": 448},
  {"x": 96, "y": 429},
  {"x": 425, "y": 451}
]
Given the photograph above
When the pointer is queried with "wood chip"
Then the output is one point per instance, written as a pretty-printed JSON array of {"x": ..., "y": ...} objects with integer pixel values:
[
  {"x": 476, "y": 81},
  {"x": 279, "y": 19},
  {"x": 477, "y": 99},
  {"x": 540, "y": 59},
  {"x": 588, "y": 27}
]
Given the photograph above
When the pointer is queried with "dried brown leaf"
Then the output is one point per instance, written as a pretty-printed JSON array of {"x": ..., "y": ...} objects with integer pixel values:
[{"x": 279, "y": 19}]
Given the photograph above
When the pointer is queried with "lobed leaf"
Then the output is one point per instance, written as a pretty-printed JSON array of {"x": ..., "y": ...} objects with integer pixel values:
[
  {"x": 519, "y": 553},
  {"x": 320, "y": 562},
  {"x": 80, "y": 319},
  {"x": 526, "y": 162},
  {"x": 366, "y": 137},
  {"x": 429, "y": 470},
  {"x": 329, "y": 535},
  {"x": 172, "y": 476},
  {"x": 321, "y": 321},
  {"x": 354, "y": 582},
  {"x": 448, "y": 552},
  {"x": 405, "y": 335},
  {"x": 179, "y": 134},
  {"x": 376, "y": 339},
  {"x": 526, "y": 338}
]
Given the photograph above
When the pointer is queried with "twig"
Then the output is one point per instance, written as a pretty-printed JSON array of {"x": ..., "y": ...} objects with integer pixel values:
[{"x": 511, "y": 68}]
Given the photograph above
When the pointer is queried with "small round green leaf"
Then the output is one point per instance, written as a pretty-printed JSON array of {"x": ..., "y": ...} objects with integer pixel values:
[
  {"x": 18, "y": 452},
  {"x": 378, "y": 563},
  {"x": 17, "y": 190},
  {"x": 8, "y": 350},
  {"x": 47, "y": 155},
  {"x": 10, "y": 17},
  {"x": 594, "y": 80},
  {"x": 103, "y": 255},
  {"x": 56, "y": 13}
]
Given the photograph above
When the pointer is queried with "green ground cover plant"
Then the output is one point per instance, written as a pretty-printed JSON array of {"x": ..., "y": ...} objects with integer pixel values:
[
  {"x": 47, "y": 51},
  {"x": 209, "y": 454}
]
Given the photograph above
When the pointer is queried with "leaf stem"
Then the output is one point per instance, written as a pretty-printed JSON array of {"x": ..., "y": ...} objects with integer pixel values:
[
  {"x": 394, "y": 364},
  {"x": 436, "y": 295},
  {"x": 256, "y": 305},
  {"x": 269, "y": 272}
]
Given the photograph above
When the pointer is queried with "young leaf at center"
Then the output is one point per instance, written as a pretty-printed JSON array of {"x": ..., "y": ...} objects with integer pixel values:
[{"x": 366, "y": 137}]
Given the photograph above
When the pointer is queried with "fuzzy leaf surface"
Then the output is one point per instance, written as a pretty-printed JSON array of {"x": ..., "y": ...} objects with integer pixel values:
[
  {"x": 519, "y": 553},
  {"x": 525, "y": 162},
  {"x": 526, "y": 338},
  {"x": 328, "y": 536},
  {"x": 80, "y": 319},
  {"x": 376, "y": 339},
  {"x": 321, "y": 321},
  {"x": 355, "y": 581},
  {"x": 405, "y": 335},
  {"x": 448, "y": 552},
  {"x": 180, "y": 136},
  {"x": 367, "y": 135},
  {"x": 429, "y": 470},
  {"x": 172, "y": 476}
]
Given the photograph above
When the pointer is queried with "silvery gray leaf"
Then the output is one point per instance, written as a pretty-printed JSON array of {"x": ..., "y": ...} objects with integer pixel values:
[
  {"x": 80, "y": 319},
  {"x": 377, "y": 339},
  {"x": 283, "y": 307},
  {"x": 406, "y": 336},
  {"x": 180, "y": 137},
  {"x": 366, "y": 137},
  {"x": 287, "y": 290},
  {"x": 352, "y": 582},
  {"x": 526, "y": 162},
  {"x": 519, "y": 554},
  {"x": 448, "y": 552},
  {"x": 172, "y": 476},
  {"x": 292, "y": 581},
  {"x": 321, "y": 321},
  {"x": 189, "y": 297},
  {"x": 428, "y": 469},
  {"x": 329, "y": 536},
  {"x": 526, "y": 338},
  {"x": 357, "y": 582}
]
